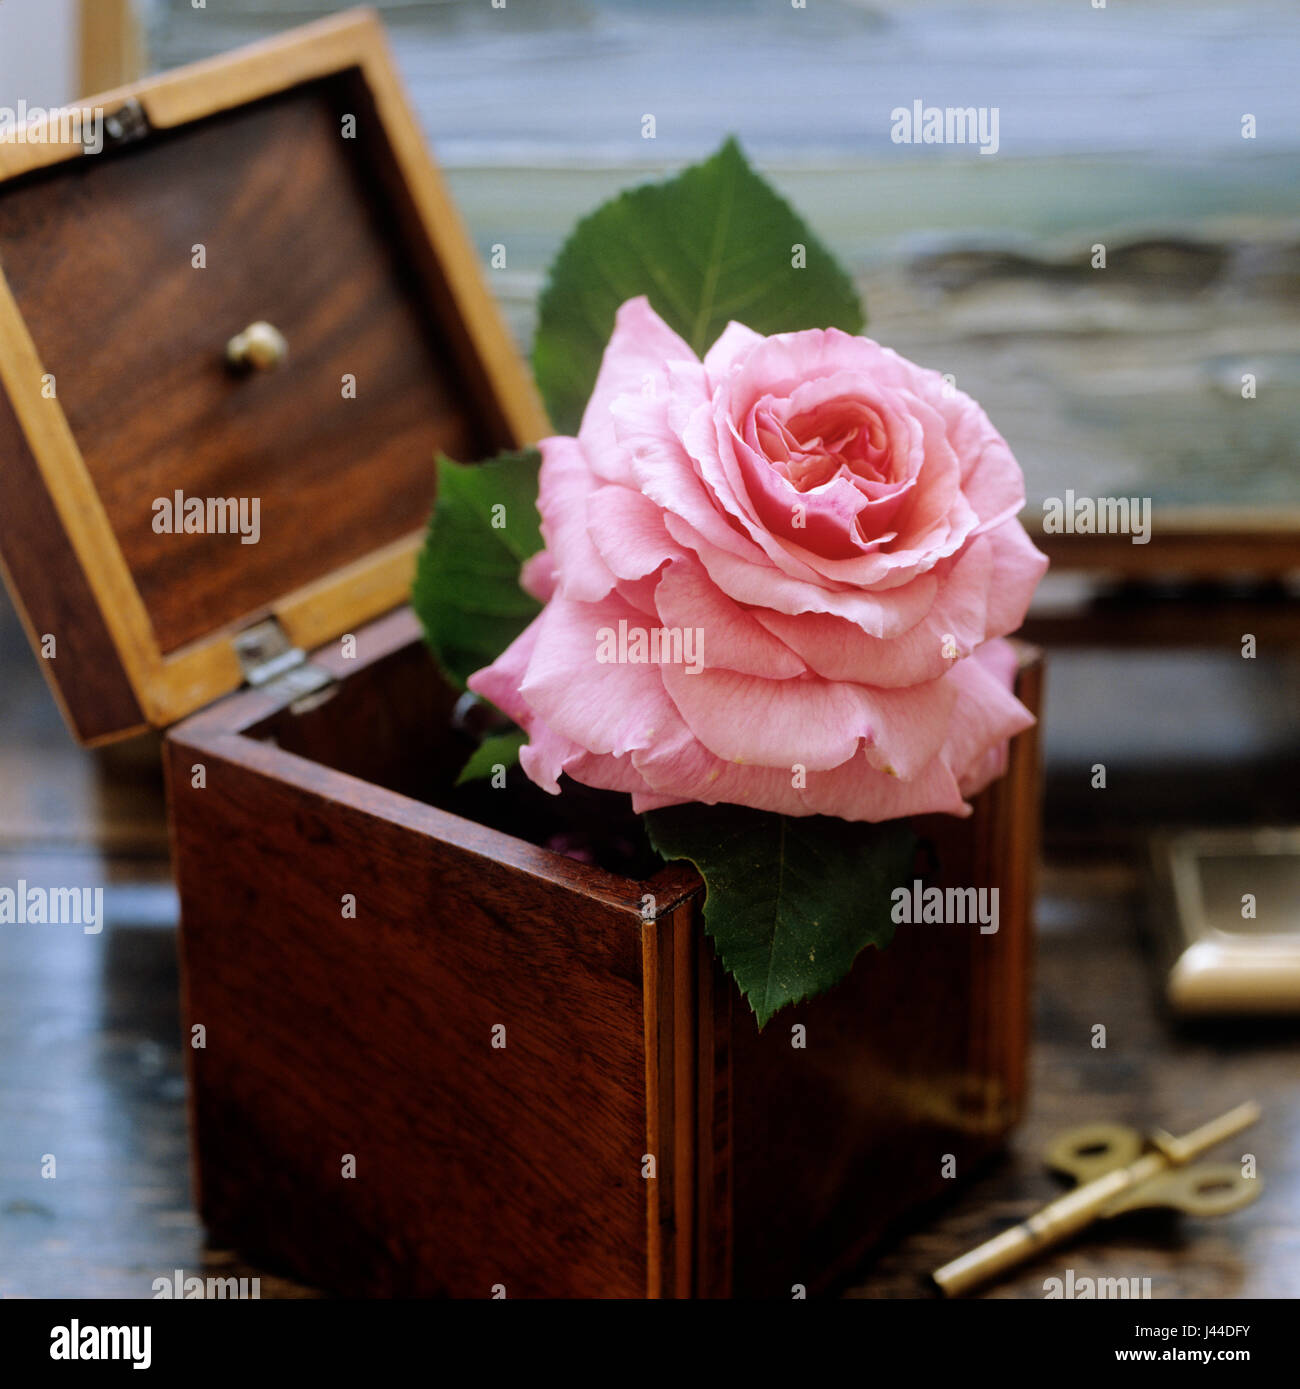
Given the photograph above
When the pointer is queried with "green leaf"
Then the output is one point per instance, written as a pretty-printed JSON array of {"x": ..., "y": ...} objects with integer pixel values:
[
  {"x": 713, "y": 244},
  {"x": 467, "y": 591},
  {"x": 791, "y": 900},
  {"x": 499, "y": 749}
]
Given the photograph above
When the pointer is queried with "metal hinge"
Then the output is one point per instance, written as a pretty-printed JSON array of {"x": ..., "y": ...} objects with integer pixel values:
[
  {"x": 269, "y": 660},
  {"x": 130, "y": 122}
]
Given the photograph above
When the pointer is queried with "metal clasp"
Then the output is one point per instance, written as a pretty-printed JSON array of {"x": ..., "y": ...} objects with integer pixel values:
[{"x": 270, "y": 661}]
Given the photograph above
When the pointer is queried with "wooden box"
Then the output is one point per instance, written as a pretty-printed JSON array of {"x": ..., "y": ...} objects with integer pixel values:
[{"x": 358, "y": 937}]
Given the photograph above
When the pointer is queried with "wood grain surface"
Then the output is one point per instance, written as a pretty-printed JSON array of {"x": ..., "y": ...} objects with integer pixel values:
[
  {"x": 304, "y": 174},
  {"x": 263, "y": 190},
  {"x": 374, "y": 1037},
  {"x": 313, "y": 794},
  {"x": 916, "y": 1059},
  {"x": 92, "y": 1060},
  {"x": 50, "y": 590}
]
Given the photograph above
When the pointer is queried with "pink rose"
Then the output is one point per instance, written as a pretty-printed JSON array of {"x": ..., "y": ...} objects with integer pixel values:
[{"x": 772, "y": 578}]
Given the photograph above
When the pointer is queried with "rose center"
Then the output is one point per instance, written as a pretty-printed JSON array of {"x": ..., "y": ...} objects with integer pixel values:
[{"x": 811, "y": 448}]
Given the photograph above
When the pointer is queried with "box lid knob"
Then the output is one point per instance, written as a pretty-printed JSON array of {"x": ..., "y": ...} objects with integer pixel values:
[{"x": 260, "y": 347}]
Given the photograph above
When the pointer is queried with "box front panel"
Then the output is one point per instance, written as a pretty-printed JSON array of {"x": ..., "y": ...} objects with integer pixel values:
[
  {"x": 442, "y": 1094},
  {"x": 906, "y": 1074}
]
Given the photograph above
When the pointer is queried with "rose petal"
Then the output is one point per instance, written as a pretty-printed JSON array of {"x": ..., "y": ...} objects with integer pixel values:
[
  {"x": 628, "y": 531},
  {"x": 734, "y": 344},
  {"x": 564, "y": 485},
  {"x": 1017, "y": 568},
  {"x": 810, "y": 722},
  {"x": 604, "y": 706},
  {"x": 638, "y": 348},
  {"x": 730, "y": 638},
  {"x": 954, "y": 625},
  {"x": 986, "y": 716}
]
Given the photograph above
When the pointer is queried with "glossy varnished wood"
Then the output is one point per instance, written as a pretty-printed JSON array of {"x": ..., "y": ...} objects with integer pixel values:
[
  {"x": 292, "y": 232},
  {"x": 636, "y": 1047},
  {"x": 92, "y": 1062},
  {"x": 519, "y": 1166},
  {"x": 296, "y": 172},
  {"x": 914, "y": 1062},
  {"x": 1152, "y": 1073},
  {"x": 52, "y": 593},
  {"x": 110, "y": 43}
]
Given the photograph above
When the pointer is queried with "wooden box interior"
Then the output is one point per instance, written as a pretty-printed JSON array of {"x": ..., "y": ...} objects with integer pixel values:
[
  {"x": 288, "y": 183},
  {"x": 263, "y": 189}
]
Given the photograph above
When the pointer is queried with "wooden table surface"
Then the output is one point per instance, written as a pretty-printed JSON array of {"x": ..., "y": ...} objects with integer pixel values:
[{"x": 91, "y": 1064}]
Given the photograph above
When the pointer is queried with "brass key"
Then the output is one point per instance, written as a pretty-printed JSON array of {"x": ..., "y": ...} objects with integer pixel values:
[{"x": 1117, "y": 1170}]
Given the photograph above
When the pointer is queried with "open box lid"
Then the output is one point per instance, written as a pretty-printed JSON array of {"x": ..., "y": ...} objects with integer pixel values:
[{"x": 286, "y": 184}]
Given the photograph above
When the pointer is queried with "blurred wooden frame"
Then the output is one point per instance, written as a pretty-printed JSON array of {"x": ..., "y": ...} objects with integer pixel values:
[
  {"x": 1185, "y": 542},
  {"x": 109, "y": 45},
  {"x": 1206, "y": 577},
  {"x": 166, "y": 688}
]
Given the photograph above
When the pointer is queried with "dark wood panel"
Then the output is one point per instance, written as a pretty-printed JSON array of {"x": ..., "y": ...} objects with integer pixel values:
[
  {"x": 91, "y": 1065},
  {"x": 1140, "y": 616},
  {"x": 918, "y": 1054},
  {"x": 373, "y": 1037},
  {"x": 41, "y": 567},
  {"x": 298, "y": 230},
  {"x": 1229, "y": 549},
  {"x": 960, "y": 1086}
]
